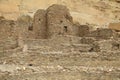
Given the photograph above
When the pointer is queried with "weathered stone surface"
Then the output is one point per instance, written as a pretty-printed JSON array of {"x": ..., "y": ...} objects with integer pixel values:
[
  {"x": 82, "y": 47},
  {"x": 109, "y": 45},
  {"x": 83, "y": 30},
  {"x": 102, "y": 33},
  {"x": 40, "y": 24},
  {"x": 76, "y": 29},
  {"x": 8, "y": 43},
  {"x": 115, "y": 45},
  {"x": 24, "y": 27},
  {"x": 87, "y": 40},
  {"x": 8, "y": 34},
  {"x": 59, "y": 20},
  {"x": 95, "y": 48},
  {"x": 7, "y": 29}
]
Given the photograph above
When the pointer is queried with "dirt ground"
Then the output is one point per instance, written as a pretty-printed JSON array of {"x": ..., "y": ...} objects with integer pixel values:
[{"x": 36, "y": 64}]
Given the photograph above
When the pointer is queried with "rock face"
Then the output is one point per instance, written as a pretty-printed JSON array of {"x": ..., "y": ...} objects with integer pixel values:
[
  {"x": 59, "y": 20},
  {"x": 40, "y": 24}
]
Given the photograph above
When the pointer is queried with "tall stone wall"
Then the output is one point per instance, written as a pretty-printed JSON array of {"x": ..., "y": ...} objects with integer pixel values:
[
  {"x": 40, "y": 24},
  {"x": 59, "y": 20},
  {"x": 56, "y": 20}
]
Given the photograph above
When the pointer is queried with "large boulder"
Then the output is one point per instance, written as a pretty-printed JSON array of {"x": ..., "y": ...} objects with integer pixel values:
[{"x": 59, "y": 20}]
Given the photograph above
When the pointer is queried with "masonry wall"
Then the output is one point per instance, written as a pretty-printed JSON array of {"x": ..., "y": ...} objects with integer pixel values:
[{"x": 40, "y": 24}]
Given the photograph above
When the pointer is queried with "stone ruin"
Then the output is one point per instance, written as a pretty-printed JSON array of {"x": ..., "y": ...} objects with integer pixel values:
[
  {"x": 56, "y": 20},
  {"x": 39, "y": 24},
  {"x": 59, "y": 21},
  {"x": 54, "y": 27}
]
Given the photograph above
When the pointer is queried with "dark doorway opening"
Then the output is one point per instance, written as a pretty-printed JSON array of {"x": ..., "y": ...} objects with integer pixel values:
[
  {"x": 61, "y": 21},
  {"x": 65, "y": 28}
]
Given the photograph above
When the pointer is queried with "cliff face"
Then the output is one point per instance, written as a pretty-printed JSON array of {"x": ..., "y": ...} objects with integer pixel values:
[{"x": 83, "y": 11}]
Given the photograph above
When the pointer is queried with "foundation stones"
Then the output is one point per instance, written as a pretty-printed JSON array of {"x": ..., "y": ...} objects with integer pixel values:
[{"x": 102, "y": 33}]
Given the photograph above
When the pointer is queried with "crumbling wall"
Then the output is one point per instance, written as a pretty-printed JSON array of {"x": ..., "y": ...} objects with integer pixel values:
[
  {"x": 7, "y": 29},
  {"x": 54, "y": 29},
  {"x": 24, "y": 27},
  {"x": 8, "y": 35},
  {"x": 76, "y": 29},
  {"x": 102, "y": 33}
]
